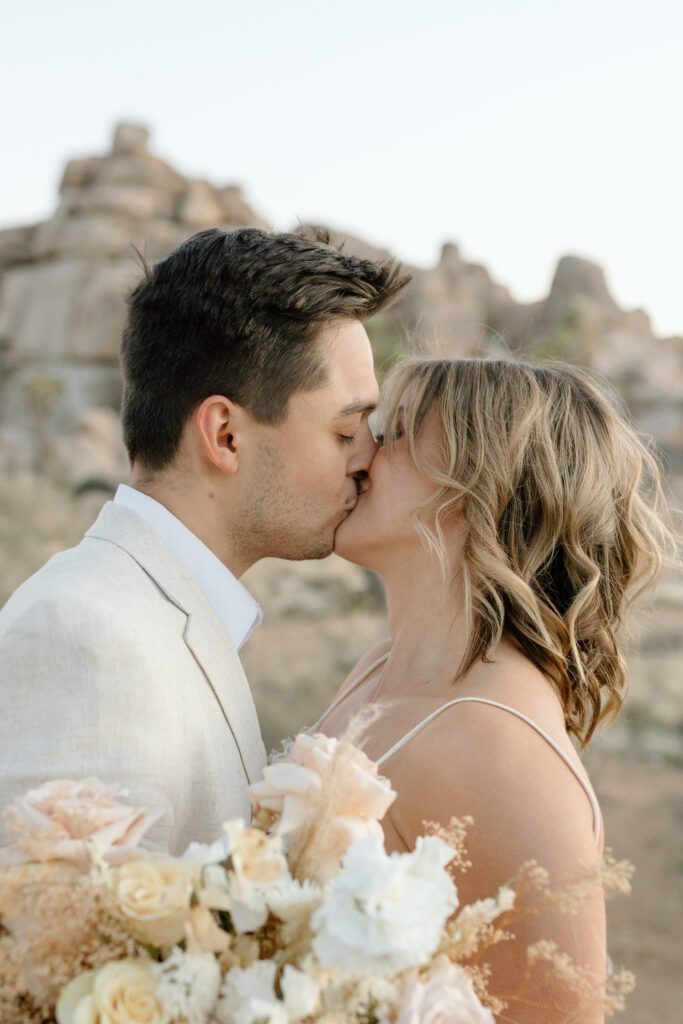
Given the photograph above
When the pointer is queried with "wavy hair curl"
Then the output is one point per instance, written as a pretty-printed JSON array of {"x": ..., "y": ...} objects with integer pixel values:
[{"x": 563, "y": 507}]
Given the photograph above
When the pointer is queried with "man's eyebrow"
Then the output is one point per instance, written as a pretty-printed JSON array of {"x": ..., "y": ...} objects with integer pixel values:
[{"x": 359, "y": 406}]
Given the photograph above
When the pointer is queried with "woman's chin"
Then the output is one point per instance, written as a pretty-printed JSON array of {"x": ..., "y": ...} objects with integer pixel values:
[{"x": 347, "y": 542}]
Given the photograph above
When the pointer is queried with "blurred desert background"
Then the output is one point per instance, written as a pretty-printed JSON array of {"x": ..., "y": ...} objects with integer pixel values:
[{"x": 62, "y": 287}]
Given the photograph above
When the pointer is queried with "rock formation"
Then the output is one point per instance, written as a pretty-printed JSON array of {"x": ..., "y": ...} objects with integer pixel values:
[
  {"x": 63, "y": 282},
  {"x": 457, "y": 309}
]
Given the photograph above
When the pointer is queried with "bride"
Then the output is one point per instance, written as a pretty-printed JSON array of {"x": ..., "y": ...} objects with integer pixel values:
[{"x": 511, "y": 512}]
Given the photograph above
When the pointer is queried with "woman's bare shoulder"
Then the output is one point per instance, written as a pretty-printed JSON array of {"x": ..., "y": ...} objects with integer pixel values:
[{"x": 484, "y": 762}]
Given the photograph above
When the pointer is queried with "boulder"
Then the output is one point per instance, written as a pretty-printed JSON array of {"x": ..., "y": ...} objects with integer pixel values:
[
  {"x": 236, "y": 211},
  {"x": 44, "y": 398},
  {"x": 16, "y": 245},
  {"x": 81, "y": 172},
  {"x": 578, "y": 284},
  {"x": 445, "y": 310},
  {"x": 133, "y": 202},
  {"x": 91, "y": 454},
  {"x": 138, "y": 169},
  {"x": 66, "y": 309},
  {"x": 159, "y": 237},
  {"x": 95, "y": 236},
  {"x": 130, "y": 139},
  {"x": 200, "y": 207}
]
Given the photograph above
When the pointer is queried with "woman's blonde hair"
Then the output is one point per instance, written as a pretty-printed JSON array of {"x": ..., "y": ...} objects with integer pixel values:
[{"x": 563, "y": 511}]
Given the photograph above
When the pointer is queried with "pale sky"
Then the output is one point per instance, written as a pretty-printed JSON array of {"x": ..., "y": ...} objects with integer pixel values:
[{"x": 520, "y": 129}]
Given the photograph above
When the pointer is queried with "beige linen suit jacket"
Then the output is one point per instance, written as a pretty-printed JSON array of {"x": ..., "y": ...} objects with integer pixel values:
[{"x": 114, "y": 664}]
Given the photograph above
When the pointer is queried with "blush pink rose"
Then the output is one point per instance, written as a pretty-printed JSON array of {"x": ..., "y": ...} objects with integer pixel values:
[
  {"x": 62, "y": 820},
  {"x": 293, "y": 788},
  {"x": 446, "y": 997}
]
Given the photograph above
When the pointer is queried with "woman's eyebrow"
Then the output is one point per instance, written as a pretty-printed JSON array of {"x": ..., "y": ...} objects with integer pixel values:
[{"x": 358, "y": 406}]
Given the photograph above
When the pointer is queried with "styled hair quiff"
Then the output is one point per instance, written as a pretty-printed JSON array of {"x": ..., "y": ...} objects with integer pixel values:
[
  {"x": 237, "y": 313},
  {"x": 563, "y": 511}
]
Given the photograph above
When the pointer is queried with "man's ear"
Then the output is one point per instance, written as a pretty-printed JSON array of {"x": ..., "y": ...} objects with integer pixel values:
[{"x": 219, "y": 423}]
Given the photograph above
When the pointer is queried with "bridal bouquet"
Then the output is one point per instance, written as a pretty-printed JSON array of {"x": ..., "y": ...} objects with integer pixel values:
[{"x": 300, "y": 916}]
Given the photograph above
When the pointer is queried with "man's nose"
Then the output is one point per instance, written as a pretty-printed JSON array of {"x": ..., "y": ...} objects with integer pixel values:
[{"x": 364, "y": 450}]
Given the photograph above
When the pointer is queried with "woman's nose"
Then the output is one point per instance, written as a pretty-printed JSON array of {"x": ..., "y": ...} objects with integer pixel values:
[{"x": 364, "y": 451}]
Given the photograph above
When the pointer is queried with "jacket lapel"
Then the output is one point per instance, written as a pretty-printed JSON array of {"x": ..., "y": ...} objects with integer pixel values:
[
  {"x": 213, "y": 650},
  {"x": 205, "y": 636}
]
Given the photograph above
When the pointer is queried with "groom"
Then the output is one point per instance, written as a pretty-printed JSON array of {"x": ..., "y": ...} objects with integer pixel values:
[{"x": 248, "y": 381}]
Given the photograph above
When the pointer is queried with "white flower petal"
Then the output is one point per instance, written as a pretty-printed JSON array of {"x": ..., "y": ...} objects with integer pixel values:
[
  {"x": 300, "y": 993},
  {"x": 205, "y": 854},
  {"x": 382, "y": 914}
]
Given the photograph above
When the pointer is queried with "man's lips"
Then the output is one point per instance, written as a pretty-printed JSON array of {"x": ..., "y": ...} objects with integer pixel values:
[{"x": 352, "y": 502}]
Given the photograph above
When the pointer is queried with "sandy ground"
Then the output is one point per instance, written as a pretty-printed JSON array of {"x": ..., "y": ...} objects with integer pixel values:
[{"x": 643, "y": 807}]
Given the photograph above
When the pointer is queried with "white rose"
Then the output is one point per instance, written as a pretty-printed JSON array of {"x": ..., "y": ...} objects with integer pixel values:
[
  {"x": 122, "y": 992},
  {"x": 153, "y": 896},
  {"x": 383, "y": 913}
]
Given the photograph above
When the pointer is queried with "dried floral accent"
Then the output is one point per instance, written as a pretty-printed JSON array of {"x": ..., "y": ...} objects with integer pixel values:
[
  {"x": 58, "y": 924},
  {"x": 481, "y": 976},
  {"x": 535, "y": 889},
  {"x": 616, "y": 875},
  {"x": 455, "y": 834},
  {"x": 620, "y": 984},
  {"x": 578, "y": 980}
]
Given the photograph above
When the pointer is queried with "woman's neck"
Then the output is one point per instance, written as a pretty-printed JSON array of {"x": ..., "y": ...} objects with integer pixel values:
[{"x": 427, "y": 627}]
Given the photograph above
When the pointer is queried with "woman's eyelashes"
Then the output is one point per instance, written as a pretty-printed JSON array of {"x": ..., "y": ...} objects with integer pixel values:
[{"x": 379, "y": 430}]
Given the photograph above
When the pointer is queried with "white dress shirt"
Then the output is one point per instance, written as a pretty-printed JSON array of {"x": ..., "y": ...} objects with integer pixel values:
[{"x": 232, "y": 602}]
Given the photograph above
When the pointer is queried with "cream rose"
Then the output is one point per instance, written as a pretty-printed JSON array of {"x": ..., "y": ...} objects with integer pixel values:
[
  {"x": 255, "y": 857},
  {"x": 123, "y": 992},
  {"x": 153, "y": 896},
  {"x": 255, "y": 862},
  {"x": 63, "y": 819}
]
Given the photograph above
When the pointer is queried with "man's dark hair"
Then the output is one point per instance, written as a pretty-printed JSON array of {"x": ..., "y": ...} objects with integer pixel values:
[{"x": 236, "y": 313}]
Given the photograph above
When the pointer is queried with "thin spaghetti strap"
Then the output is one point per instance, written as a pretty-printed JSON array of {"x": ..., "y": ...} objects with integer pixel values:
[
  {"x": 581, "y": 778},
  {"x": 345, "y": 693}
]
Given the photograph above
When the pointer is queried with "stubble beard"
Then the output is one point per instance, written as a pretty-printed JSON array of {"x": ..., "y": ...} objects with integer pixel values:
[
  {"x": 273, "y": 521},
  {"x": 274, "y": 531}
]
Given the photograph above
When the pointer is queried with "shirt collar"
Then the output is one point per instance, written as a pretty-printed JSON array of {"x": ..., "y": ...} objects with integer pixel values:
[{"x": 232, "y": 602}]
